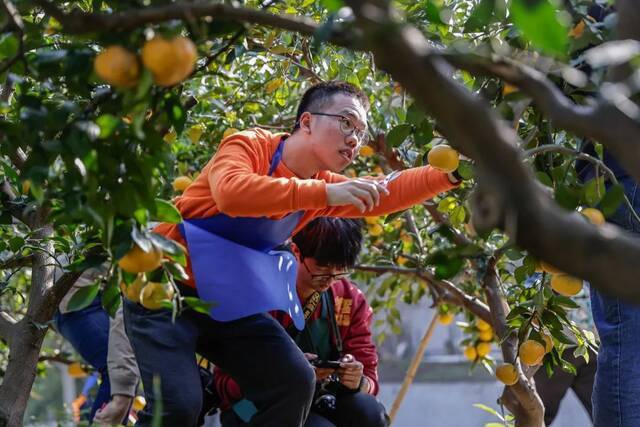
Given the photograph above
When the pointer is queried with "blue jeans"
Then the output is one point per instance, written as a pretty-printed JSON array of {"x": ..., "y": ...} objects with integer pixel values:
[
  {"x": 88, "y": 332},
  {"x": 256, "y": 351},
  {"x": 616, "y": 393}
]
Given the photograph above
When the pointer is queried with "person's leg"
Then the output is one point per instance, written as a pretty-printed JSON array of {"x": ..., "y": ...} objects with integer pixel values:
[
  {"x": 316, "y": 420},
  {"x": 271, "y": 370},
  {"x": 553, "y": 389},
  {"x": 165, "y": 352},
  {"x": 88, "y": 332},
  {"x": 616, "y": 401},
  {"x": 359, "y": 410},
  {"x": 583, "y": 382}
]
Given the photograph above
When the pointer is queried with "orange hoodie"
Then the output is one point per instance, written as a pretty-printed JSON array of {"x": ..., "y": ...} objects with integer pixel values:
[{"x": 235, "y": 182}]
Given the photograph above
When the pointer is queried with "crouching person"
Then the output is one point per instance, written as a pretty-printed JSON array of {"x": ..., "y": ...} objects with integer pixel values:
[{"x": 337, "y": 335}]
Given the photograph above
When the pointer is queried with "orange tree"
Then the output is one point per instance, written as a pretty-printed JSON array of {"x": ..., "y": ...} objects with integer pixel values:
[{"x": 109, "y": 107}]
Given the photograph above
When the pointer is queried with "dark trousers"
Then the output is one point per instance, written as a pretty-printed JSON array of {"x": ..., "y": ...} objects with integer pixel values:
[
  {"x": 88, "y": 332},
  {"x": 256, "y": 351},
  {"x": 553, "y": 389},
  {"x": 352, "y": 410}
]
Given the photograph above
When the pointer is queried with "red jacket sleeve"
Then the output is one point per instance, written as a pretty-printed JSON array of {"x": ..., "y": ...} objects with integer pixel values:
[
  {"x": 356, "y": 336},
  {"x": 227, "y": 388}
]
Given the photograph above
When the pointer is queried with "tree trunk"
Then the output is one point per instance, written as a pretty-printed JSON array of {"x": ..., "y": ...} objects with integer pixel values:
[
  {"x": 21, "y": 372},
  {"x": 28, "y": 334}
]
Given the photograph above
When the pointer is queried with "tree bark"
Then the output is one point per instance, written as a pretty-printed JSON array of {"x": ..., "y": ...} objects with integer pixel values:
[{"x": 28, "y": 334}]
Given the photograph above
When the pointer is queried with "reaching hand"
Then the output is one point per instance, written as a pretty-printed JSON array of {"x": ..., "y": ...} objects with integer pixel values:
[{"x": 364, "y": 194}]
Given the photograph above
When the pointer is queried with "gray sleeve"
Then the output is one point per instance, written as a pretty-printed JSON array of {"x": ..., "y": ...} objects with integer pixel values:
[{"x": 121, "y": 361}]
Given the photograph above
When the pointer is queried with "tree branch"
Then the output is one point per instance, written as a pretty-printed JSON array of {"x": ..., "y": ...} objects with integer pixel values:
[
  {"x": 521, "y": 398},
  {"x": 77, "y": 22},
  {"x": 7, "y": 323},
  {"x": 619, "y": 135},
  {"x": 18, "y": 261},
  {"x": 448, "y": 292},
  {"x": 508, "y": 197}
]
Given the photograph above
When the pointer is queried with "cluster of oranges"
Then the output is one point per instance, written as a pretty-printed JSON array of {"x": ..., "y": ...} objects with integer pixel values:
[
  {"x": 169, "y": 60},
  {"x": 151, "y": 295},
  {"x": 483, "y": 345}
]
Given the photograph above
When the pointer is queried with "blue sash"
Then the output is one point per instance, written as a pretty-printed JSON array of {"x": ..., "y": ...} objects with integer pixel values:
[{"x": 236, "y": 265}]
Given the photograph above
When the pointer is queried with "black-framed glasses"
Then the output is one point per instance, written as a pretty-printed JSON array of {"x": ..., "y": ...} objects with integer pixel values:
[
  {"x": 324, "y": 278},
  {"x": 347, "y": 127}
]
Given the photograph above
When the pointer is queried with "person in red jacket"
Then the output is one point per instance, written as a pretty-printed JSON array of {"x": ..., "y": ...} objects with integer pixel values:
[{"x": 337, "y": 328}]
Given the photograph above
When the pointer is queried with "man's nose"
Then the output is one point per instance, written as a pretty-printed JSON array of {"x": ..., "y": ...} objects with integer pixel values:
[{"x": 352, "y": 141}]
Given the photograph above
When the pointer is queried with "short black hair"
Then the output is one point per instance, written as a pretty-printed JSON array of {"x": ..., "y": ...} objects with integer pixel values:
[
  {"x": 331, "y": 241},
  {"x": 319, "y": 95}
]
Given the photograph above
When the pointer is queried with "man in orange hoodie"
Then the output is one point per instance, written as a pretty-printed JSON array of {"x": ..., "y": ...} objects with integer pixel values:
[{"x": 255, "y": 193}]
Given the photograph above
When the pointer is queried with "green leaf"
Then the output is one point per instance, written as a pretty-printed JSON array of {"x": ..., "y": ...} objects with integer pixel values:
[
  {"x": 415, "y": 115},
  {"x": 465, "y": 169},
  {"x": 612, "y": 200},
  {"x": 108, "y": 124},
  {"x": 166, "y": 212},
  {"x": 544, "y": 178},
  {"x": 594, "y": 190},
  {"x": 398, "y": 134},
  {"x": 198, "y": 305},
  {"x": 83, "y": 297},
  {"x": 488, "y": 409},
  {"x": 480, "y": 16},
  {"x": 539, "y": 22},
  {"x": 8, "y": 45},
  {"x": 332, "y": 5},
  {"x": 566, "y": 197},
  {"x": 111, "y": 297}
]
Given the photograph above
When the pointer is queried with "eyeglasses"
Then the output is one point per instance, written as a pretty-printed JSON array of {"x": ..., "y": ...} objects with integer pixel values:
[
  {"x": 320, "y": 279},
  {"x": 347, "y": 127}
]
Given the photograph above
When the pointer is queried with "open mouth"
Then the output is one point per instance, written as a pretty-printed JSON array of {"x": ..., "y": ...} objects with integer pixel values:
[{"x": 347, "y": 154}]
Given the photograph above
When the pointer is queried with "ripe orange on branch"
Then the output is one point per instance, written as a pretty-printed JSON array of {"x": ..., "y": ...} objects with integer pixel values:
[
  {"x": 117, "y": 66},
  {"x": 443, "y": 158},
  {"x": 139, "y": 261},
  {"x": 170, "y": 61}
]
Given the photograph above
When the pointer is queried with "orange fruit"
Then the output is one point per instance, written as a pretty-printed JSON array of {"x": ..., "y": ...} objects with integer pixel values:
[
  {"x": 566, "y": 285},
  {"x": 181, "y": 183},
  {"x": 154, "y": 294},
  {"x": 443, "y": 158},
  {"x": 170, "y": 61},
  {"x": 481, "y": 325},
  {"x": 508, "y": 88},
  {"x": 138, "y": 403},
  {"x": 401, "y": 260},
  {"x": 446, "y": 318},
  {"x": 507, "y": 374},
  {"x": 139, "y": 261},
  {"x": 594, "y": 216},
  {"x": 367, "y": 151},
  {"x": 486, "y": 335},
  {"x": 471, "y": 353},
  {"x": 117, "y": 66},
  {"x": 531, "y": 352},
  {"x": 132, "y": 292},
  {"x": 577, "y": 31},
  {"x": 75, "y": 370},
  {"x": 229, "y": 131},
  {"x": 483, "y": 349},
  {"x": 376, "y": 230},
  {"x": 371, "y": 220}
]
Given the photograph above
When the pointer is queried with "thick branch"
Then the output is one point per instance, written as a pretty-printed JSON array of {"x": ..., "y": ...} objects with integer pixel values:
[
  {"x": 78, "y": 22},
  {"x": 620, "y": 134}
]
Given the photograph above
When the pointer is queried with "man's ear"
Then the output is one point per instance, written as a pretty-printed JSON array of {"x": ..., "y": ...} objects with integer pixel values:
[{"x": 305, "y": 122}]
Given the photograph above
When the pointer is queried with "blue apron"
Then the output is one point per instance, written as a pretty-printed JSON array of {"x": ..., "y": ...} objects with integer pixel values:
[{"x": 236, "y": 266}]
